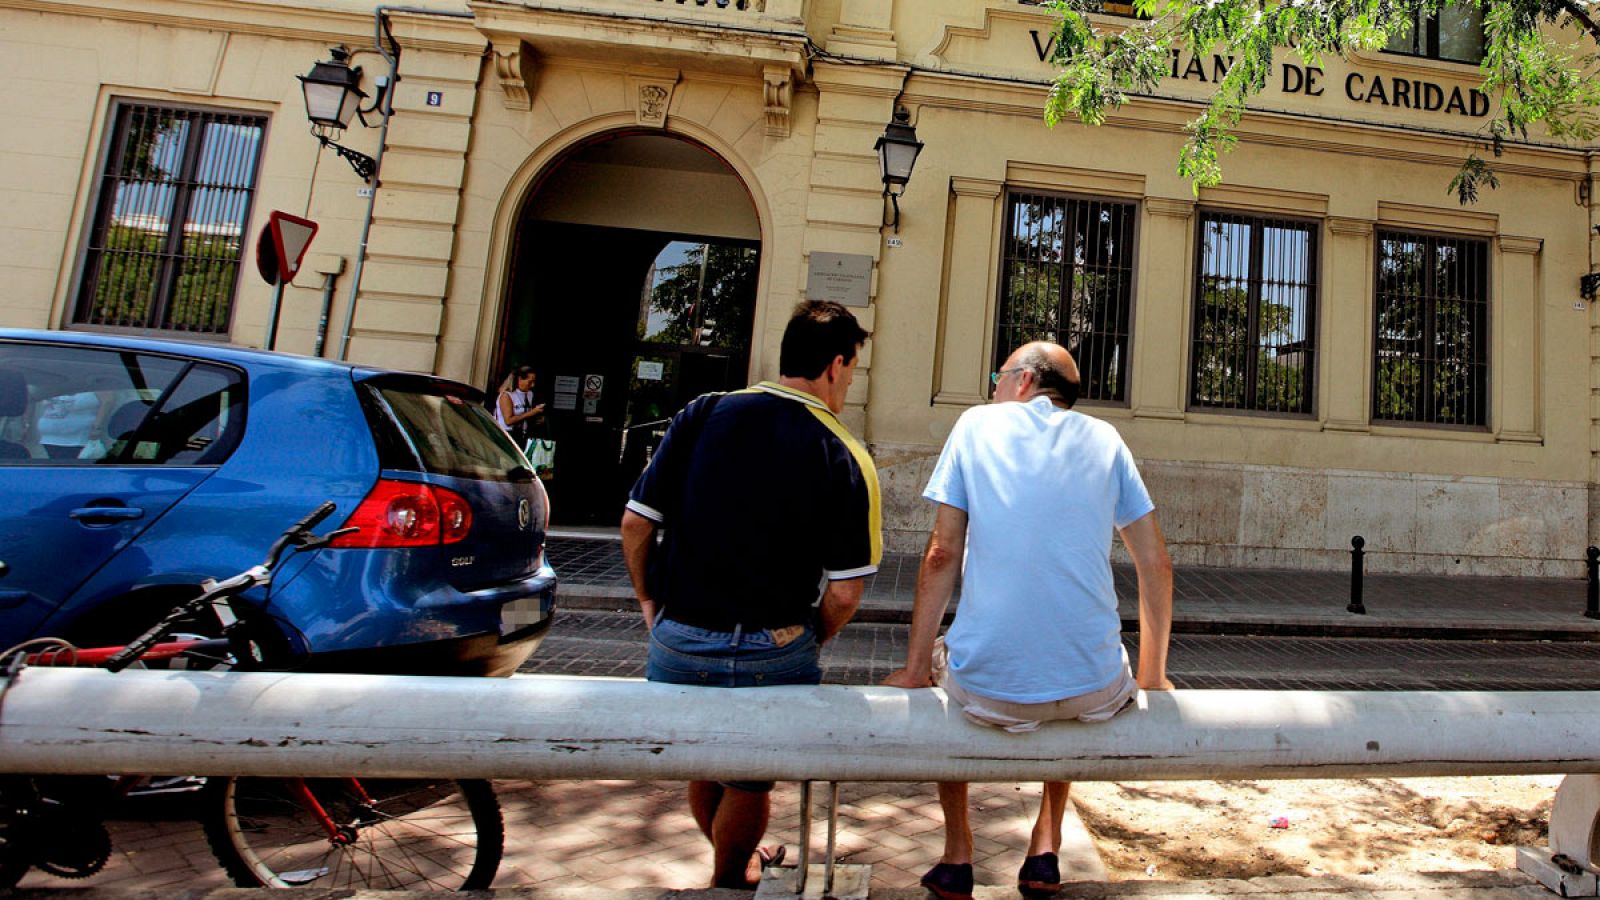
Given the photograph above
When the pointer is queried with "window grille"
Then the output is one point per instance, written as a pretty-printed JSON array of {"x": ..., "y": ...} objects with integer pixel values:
[
  {"x": 175, "y": 193},
  {"x": 1067, "y": 276},
  {"x": 1255, "y": 294},
  {"x": 1432, "y": 322}
]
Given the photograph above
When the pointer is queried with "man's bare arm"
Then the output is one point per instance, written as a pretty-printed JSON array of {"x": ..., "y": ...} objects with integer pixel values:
[
  {"x": 840, "y": 601},
  {"x": 1148, "y": 547},
  {"x": 638, "y": 539},
  {"x": 936, "y": 581}
]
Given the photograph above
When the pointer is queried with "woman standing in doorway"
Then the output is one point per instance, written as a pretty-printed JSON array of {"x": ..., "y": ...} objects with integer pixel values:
[{"x": 514, "y": 409}]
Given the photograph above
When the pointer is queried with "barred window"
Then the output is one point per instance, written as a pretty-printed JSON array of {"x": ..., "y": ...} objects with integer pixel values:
[
  {"x": 1255, "y": 317},
  {"x": 175, "y": 191},
  {"x": 1453, "y": 33},
  {"x": 1067, "y": 276},
  {"x": 1432, "y": 320}
]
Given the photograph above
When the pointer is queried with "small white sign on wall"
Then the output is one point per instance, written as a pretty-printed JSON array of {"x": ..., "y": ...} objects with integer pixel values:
[
  {"x": 840, "y": 277},
  {"x": 650, "y": 370}
]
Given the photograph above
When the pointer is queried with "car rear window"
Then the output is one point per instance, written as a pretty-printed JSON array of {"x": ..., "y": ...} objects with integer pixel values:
[{"x": 452, "y": 435}]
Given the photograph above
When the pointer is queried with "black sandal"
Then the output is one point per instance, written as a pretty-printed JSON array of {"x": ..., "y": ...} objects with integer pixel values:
[{"x": 950, "y": 881}]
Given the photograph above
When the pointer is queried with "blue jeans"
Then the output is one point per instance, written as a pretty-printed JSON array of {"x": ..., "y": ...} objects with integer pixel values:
[{"x": 683, "y": 654}]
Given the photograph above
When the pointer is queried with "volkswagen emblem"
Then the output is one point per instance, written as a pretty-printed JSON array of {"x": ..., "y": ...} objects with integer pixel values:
[{"x": 524, "y": 514}]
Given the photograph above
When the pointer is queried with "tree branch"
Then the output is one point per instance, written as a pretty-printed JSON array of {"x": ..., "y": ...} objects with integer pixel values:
[{"x": 1580, "y": 12}]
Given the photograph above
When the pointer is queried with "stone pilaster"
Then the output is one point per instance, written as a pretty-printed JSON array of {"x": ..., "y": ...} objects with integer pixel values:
[
  {"x": 400, "y": 312},
  {"x": 1161, "y": 313},
  {"x": 1345, "y": 319},
  {"x": 966, "y": 336},
  {"x": 1517, "y": 340}
]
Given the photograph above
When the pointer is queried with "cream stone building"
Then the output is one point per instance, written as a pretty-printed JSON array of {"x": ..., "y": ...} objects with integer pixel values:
[{"x": 631, "y": 195}]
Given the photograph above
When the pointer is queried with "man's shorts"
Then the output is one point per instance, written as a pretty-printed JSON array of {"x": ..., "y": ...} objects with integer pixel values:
[
  {"x": 683, "y": 654},
  {"x": 1017, "y": 718}
]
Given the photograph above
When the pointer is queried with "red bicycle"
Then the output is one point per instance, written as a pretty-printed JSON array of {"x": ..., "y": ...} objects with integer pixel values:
[{"x": 387, "y": 834}]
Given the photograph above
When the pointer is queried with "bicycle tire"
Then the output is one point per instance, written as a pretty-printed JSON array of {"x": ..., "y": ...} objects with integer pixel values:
[
  {"x": 418, "y": 834},
  {"x": 19, "y": 804}
]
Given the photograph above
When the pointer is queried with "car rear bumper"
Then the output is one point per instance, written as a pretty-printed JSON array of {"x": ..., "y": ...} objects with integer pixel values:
[
  {"x": 507, "y": 624},
  {"x": 479, "y": 655}
]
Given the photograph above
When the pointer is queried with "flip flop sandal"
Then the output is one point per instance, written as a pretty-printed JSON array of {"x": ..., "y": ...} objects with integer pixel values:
[
  {"x": 771, "y": 856},
  {"x": 950, "y": 881},
  {"x": 1040, "y": 876}
]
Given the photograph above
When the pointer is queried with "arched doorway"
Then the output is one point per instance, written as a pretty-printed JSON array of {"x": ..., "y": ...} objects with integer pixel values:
[{"x": 632, "y": 291}]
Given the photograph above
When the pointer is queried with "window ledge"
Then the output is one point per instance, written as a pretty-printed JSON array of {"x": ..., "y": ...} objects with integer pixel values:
[
  {"x": 1434, "y": 432},
  {"x": 1235, "y": 418}
]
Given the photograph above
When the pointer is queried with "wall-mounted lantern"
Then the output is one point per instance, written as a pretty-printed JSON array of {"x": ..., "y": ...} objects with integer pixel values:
[{"x": 897, "y": 155}]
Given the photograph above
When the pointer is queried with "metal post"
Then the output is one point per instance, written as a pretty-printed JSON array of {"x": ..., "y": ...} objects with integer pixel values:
[
  {"x": 272, "y": 316},
  {"x": 1593, "y": 609},
  {"x": 805, "y": 837},
  {"x": 833, "y": 838},
  {"x": 329, "y": 279},
  {"x": 1357, "y": 564}
]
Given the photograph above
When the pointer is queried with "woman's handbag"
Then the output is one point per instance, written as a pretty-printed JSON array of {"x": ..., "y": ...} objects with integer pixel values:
[{"x": 541, "y": 455}]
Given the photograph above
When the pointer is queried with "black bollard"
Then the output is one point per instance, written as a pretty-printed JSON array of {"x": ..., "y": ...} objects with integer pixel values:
[
  {"x": 1356, "y": 567},
  {"x": 1593, "y": 610}
]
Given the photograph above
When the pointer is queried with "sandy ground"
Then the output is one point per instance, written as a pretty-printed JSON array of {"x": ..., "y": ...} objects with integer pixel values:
[{"x": 1179, "y": 830}]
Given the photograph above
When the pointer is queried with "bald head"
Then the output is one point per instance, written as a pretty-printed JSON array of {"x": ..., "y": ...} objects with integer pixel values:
[{"x": 1050, "y": 370}]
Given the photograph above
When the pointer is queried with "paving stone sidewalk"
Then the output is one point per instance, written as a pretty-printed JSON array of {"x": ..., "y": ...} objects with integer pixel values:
[{"x": 1209, "y": 600}]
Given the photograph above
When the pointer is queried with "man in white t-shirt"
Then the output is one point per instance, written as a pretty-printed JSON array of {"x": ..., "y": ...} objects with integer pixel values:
[{"x": 1029, "y": 494}]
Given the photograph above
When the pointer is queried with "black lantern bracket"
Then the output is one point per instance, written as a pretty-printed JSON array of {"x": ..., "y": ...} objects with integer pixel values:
[
  {"x": 365, "y": 166},
  {"x": 1589, "y": 286}
]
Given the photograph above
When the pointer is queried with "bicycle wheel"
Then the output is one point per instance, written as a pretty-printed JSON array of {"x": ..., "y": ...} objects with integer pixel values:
[
  {"x": 403, "y": 834},
  {"x": 19, "y": 805}
]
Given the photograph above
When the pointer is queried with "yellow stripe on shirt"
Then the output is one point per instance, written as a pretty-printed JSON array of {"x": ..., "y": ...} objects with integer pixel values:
[{"x": 869, "y": 472}]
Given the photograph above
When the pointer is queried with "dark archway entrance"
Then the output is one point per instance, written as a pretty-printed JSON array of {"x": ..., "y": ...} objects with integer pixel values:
[{"x": 633, "y": 286}]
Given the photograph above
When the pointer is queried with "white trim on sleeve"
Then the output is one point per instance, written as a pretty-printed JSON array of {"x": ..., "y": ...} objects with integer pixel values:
[
  {"x": 653, "y": 515},
  {"x": 848, "y": 574}
]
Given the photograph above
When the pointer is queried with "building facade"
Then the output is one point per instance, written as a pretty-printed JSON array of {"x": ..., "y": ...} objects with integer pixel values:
[{"x": 631, "y": 195}]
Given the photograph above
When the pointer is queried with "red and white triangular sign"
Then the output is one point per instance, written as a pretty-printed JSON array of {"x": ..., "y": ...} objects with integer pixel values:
[{"x": 291, "y": 236}]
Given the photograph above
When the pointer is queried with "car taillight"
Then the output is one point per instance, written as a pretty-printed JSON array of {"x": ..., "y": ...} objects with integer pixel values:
[{"x": 407, "y": 514}]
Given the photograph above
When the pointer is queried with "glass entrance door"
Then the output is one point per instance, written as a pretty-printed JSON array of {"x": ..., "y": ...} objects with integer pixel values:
[{"x": 624, "y": 328}]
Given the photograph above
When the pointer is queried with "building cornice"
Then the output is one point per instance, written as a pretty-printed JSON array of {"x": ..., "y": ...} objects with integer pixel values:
[{"x": 336, "y": 21}]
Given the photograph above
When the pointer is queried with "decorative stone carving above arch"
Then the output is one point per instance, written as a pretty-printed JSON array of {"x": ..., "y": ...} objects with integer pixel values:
[
  {"x": 515, "y": 65},
  {"x": 651, "y": 97},
  {"x": 779, "y": 86}
]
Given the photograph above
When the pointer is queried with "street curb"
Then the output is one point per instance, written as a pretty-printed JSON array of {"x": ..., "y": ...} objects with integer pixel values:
[{"x": 619, "y": 598}]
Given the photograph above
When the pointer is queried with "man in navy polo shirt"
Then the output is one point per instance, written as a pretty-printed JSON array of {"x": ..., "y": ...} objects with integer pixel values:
[{"x": 765, "y": 502}]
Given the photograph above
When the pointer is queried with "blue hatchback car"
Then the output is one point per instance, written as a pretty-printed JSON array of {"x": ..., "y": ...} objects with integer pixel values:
[{"x": 133, "y": 469}]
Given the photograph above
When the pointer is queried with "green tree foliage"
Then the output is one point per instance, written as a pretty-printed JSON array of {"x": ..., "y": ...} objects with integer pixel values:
[
  {"x": 1549, "y": 80},
  {"x": 1067, "y": 281},
  {"x": 1429, "y": 329},
  {"x": 134, "y": 263},
  {"x": 1224, "y": 347},
  {"x": 705, "y": 300}
]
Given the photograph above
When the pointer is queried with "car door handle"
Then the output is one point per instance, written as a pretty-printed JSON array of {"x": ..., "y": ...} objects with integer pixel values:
[
  {"x": 106, "y": 513},
  {"x": 10, "y": 599}
]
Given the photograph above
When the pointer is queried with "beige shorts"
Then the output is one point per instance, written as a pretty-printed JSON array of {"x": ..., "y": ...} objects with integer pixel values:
[{"x": 1018, "y": 718}]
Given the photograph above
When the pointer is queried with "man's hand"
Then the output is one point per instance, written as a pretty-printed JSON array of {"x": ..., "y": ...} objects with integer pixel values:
[
  {"x": 1163, "y": 684},
  {"x": 903, "y": 678}
]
